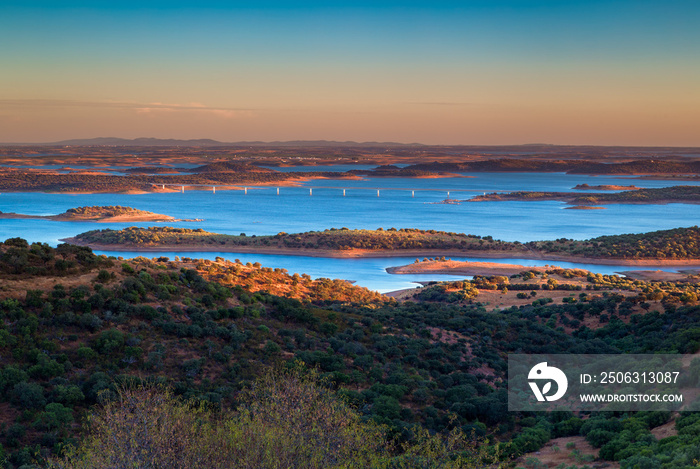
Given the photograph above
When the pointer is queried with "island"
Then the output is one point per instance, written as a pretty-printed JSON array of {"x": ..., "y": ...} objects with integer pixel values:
[
  {"x": 102, "y": 214},
  {"x": 594, "y": 164},
  {"x": 679, "y": 246},
  {"x": 605, "y": 187},
  {"x": 664, "y": 195},
  {"x": 393, "y": 171}
]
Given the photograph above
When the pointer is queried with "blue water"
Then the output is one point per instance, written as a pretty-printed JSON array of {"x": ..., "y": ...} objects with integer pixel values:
[
  {"x": 262, "y": 212},
  {"x": 366, "y": 272}
]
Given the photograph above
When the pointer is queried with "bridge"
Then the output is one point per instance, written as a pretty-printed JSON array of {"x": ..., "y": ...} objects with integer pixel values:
[{"x": 344, "y": 190}]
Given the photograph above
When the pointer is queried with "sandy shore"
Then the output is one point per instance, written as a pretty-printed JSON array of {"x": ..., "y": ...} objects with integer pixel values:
[
  {"x": 117, "y": 219},
  {"x": 361, "y": 253},
  {"x": 494, "y": 268},
  {"x": 464, "y": 268}
]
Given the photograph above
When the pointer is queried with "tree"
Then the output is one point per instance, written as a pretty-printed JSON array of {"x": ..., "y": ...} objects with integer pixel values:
[
  {"x": 288, "y": 419},
  {"x": 28, "y": 396}
]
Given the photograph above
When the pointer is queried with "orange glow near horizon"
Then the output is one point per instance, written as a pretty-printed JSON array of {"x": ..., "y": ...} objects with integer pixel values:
[{"x": 581, "y": 74}]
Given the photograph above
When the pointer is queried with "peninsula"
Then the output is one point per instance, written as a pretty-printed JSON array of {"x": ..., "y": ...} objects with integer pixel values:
[{"x": 678, "y": 246}]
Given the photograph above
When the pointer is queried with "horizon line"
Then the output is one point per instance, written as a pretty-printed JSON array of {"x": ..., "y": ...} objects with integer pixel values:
[{"x": 141, "y": 141}]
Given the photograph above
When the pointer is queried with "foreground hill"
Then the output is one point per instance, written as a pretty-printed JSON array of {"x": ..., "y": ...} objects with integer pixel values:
[
  {"x": 76, "y": 327},
  {"x": 677, "y": 245}
]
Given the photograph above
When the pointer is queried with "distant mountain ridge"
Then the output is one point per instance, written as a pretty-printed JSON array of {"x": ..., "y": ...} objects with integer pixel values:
[
  {"x": 144, "y": 141},
  {"x": 205, "y": 142}
]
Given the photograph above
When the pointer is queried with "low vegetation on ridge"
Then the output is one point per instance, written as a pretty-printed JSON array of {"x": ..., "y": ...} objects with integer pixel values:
[
  {"x": 674, "y": 244},
  {"x": 663, "y": 195}
]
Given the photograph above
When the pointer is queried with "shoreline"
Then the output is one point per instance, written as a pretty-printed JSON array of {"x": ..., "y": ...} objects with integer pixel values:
[
  {"x": 469, "y": 268},
  {"x": 151, "y": 188},
  {"x": 358, "y": 253},
  {"x": 115, "y": 219},
  {"x": 572, "y": 201},
  {"x": 465, "y": 268}
]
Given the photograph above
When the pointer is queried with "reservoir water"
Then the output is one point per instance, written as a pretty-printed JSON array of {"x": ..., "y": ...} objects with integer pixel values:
[{"x": 263, "y": 212}]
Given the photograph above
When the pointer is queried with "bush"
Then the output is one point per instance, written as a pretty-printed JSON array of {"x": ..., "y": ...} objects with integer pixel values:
[
  {"x": 103, "y": 276},
  {"x": 286, "y": 419},
  {"x": 109, "y": 341},
  {"x": 54, "y": 417},
  {"x": 28, "y": 396}
]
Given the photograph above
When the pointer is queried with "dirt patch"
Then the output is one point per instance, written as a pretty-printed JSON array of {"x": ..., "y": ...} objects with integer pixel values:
[
  {"x": 665, "y": 430},
  {"x": 659, "y": 275},
  {"x": 403, "y": 295},
  {"x": 572, "y": 450}
]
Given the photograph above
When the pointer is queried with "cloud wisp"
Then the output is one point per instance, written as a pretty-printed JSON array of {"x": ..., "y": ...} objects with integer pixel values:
[{"x": 140, "y": 108}]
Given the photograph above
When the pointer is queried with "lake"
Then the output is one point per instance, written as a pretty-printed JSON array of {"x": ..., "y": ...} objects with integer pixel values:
[{"x": 263, "y": 212}]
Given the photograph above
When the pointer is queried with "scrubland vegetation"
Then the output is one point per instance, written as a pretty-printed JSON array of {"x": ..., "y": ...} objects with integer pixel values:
[
  {"x": 109, "y": 210},
  {"x": 288, "y": 418},
  {"x": 35, "y": 181},
  {"x": 333, "y": 239},
  {"x": 664, "y": 195},
  {"x": 571, "y": 166},
  {"x": 675, "y": 244},
  {"x": 169, "y": 354}
]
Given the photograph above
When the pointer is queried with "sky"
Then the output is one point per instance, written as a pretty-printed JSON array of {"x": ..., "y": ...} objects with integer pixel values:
[{"x": 486, "y": 72}]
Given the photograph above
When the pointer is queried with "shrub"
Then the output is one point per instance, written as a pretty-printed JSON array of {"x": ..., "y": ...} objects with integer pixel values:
[
  {"x": 103, "y": 276},
  {"x": 287, "y": 418},
  {"x": 28, "y": 396},
  {"x": 54, "y": 417},
  {"x": 286, "y": 421}
]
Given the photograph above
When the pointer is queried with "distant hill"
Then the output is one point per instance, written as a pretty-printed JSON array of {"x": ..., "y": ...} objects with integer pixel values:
[
  {"x": 205, "y": 142},
  {"x": 146, "y": 142},
  {"x": 228, "y": 166}
]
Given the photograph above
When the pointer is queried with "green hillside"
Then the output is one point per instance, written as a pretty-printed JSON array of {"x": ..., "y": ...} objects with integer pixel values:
[{"x": 72, "y": 336}]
